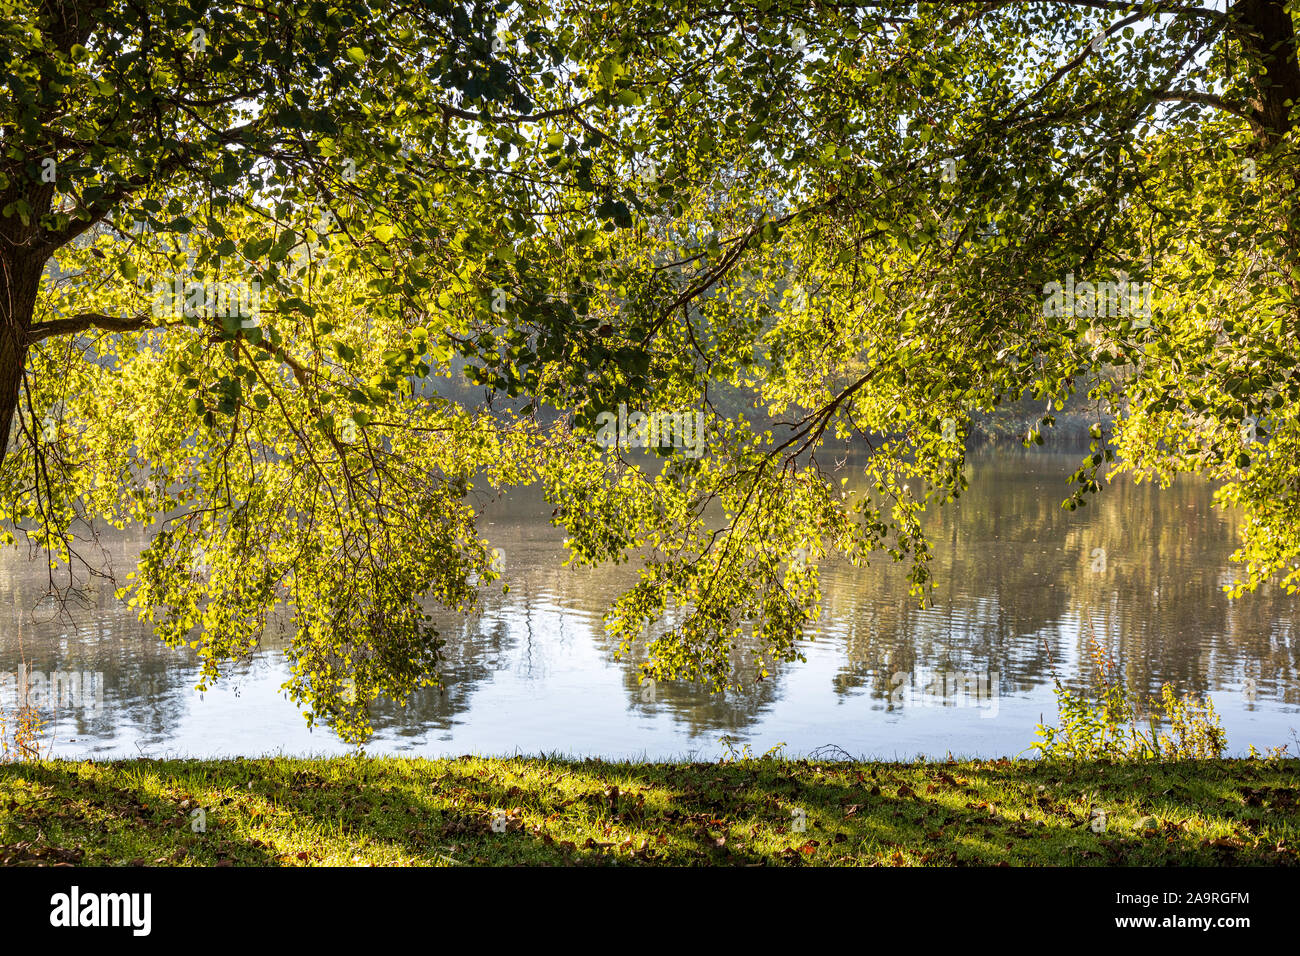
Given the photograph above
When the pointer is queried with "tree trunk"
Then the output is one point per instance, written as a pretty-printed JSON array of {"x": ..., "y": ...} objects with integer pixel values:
[
  {"x": 1268, "y": 34},
  {"x": 20, "y": 279}
]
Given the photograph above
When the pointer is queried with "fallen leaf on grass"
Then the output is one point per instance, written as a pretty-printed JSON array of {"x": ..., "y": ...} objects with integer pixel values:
[{"x": 1225, "y": 843}]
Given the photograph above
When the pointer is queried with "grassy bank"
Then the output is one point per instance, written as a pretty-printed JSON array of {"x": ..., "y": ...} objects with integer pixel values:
[{"x": 473, "y": 811}]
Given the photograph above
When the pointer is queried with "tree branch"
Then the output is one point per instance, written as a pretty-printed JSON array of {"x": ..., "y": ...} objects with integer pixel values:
[
  {"x": 1209, "y": 99},
  {"x": 88, "y": 320}
]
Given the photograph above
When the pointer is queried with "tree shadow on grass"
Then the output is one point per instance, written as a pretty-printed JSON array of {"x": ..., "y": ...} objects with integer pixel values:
[
  {"x": 522, "y": 811},
  {"x": 80, "y": 812}
]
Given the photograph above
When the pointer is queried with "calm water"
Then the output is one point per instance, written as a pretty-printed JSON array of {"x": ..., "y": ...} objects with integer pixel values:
[{"x": 1018, "y": 578}]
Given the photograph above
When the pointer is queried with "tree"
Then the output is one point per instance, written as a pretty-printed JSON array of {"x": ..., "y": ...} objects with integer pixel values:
[
  {"x": 875, "y": 219},
  {"x": 268, "y": 226}
]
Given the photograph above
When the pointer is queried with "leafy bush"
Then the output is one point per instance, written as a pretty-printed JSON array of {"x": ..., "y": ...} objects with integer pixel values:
[
  {"x": 1109, "y": 724},
  {"x": 23, "y": 741}
]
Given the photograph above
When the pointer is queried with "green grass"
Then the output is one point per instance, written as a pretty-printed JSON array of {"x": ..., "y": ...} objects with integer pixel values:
[{"x": 393, "y": 811}]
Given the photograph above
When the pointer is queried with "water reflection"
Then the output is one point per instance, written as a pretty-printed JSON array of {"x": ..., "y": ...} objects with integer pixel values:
[{"x": 1020, "y": 582}]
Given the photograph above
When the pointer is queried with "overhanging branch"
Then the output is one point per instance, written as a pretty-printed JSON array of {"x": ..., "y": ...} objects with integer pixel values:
[
  {"x": 1241, "y": 111},
  {"x": 88, "y": 320}
]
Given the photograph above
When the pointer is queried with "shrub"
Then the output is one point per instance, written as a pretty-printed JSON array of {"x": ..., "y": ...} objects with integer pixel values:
[{"x": 1112, "y": 724}]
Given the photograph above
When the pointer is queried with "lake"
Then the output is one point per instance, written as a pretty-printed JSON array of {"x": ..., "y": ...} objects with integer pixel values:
[{"x": 1022, "y": 584}]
